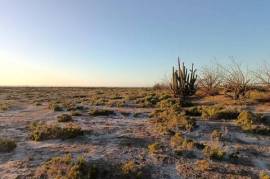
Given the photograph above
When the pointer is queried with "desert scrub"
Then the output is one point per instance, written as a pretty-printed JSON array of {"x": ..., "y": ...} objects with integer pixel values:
[
  {"x": 178, "y": 142},
  {"x": 216, "y": 135},
  {"x": 264, "y": 175},
  {"x": 101, "y": 112},
  {"x": 194, "y": 111},
  {"x": 218, "y": 112},
  {"x": 64, "y": 118},
  {"x": 66, "y": 167},
  {"x": 170, "y": 118},
  {"x": 42, "y": 131},
  {"x": 4, "y": 107},
  {"x": 7, "y": 145},
  {"x": 214, "y": 152},
  {"x": 55, "y": 107},
  {"x": 246, "y": 120},
  {"x": 153, "y": 148},
  {"x": 202, "y": 165}
]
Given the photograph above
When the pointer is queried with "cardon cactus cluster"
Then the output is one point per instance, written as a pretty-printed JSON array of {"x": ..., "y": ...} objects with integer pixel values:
[{"x": 183, "y": 81}]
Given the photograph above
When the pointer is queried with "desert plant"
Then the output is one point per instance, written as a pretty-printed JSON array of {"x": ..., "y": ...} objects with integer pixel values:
[
  {"x": 216, "y": 135},
  {"x": 211, "y": 112},
  {"x": 264, "y": 175},
  {"x": 153, "y": 148},
  {"x": 101, "y": 112},
  {"x": 7, "y": 145},
  {"x": 263, "y": 74},
  {"x": 236, "y": 81},
  {"x": 218, "y": 112},
  {"x": 129, "y": 167},
  {"x": 66, "y": 167},
  {"x": 210, "y": 81},
  {"x": 246, "y": 120},
  {"x": 202, "y": 165},
  {"x": 214, "y": 152},
  {"x": 183, "y": 82},
  {"x": 64, "y": 118},
  {"x": 42, "y": 131},
  {"x": 177, "y": 140}
]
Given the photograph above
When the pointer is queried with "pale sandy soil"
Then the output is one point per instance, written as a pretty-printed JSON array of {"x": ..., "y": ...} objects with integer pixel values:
[{"x": 120, "y": 138}]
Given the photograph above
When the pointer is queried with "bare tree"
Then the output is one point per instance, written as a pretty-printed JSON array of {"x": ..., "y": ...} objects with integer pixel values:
[
  {"x": 236, "y": 81},
  {"x": 263, "y": 74},
  {"x": 210, "y": 80}
]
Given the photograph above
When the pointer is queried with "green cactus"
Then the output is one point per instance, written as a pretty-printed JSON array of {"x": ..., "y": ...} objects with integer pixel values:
[{"x": 183, "y": 81}]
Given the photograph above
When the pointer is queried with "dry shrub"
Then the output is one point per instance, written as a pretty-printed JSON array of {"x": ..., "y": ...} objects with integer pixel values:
[
  {"x": 101, "y": 112},
  {"x": 216, "y": 135},
  {"x": 203, "y": 165},
  {"x": 236, "y": 81},
  {"x": 66, "y": 167},
  {"x": 214, "y": 152},
  {"x": 7, "y": 145},
  {"x": 64, "y": 118},
  {"x": 210, "y": 81},
  {"x": 42, "y": 131},
  {"x": 153, "y": 148}
]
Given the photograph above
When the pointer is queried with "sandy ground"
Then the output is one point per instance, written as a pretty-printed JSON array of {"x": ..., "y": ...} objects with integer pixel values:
[{"x": 120, "y": 138}]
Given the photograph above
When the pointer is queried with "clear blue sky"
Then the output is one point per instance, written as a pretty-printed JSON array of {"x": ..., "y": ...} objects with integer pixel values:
[{"x": 125, "y": 42}]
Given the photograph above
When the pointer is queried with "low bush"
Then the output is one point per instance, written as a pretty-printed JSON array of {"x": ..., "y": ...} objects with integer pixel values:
[
  {"x": 4, "y": 107},
  {"x": 211, "y": 113},
  {"x": 216, "y": 135},
  {"x": 153, "y": 148},
  {"x": 246, "y": 120},
  {"x": 178, "y": 142},
  {"x": 101, "y": 112},
  {"x": 218, "y": 112},
  {"x": 43, "y": 131},
  {"x": 214, "y": 152},
  {"x": 66, "y": 167},
  {"x": 194, "y": 111},
  {"x": 7, "y": 145},
  {"x": 264, "y": 175},
  {"x": 202, "y": 165},
  {"x": 56, "y": 107},
  {"x": 64, "y": 118}
]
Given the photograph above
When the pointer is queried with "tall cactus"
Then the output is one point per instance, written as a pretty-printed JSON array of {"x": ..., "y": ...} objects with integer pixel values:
[{"x": 183, "y": 81}]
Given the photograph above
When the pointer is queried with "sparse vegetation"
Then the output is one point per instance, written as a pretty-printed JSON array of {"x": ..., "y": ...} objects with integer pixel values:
[
  {"x": 43, "y": 131},
  {"x": 7, "y": 145},
  {"x": 216, "y": 135},
  {"x": 214, "y": 152},
  {"x": 101, "y": 112},
  {"x": 64, "y": 118},
  {"x": 203, "y": 165},
  {"x": 153, "y": 148},
  {"x": 66, "y": 167}
]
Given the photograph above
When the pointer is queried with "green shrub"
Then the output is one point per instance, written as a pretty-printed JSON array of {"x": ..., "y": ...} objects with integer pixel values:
[
  {"x": 214, "y": 152},
  {"x": 101, "y": 112},
  {"x": 42, "y": 131},
  {"x": 64, "y": 118},
  {"x": 7, "y": 145}
]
